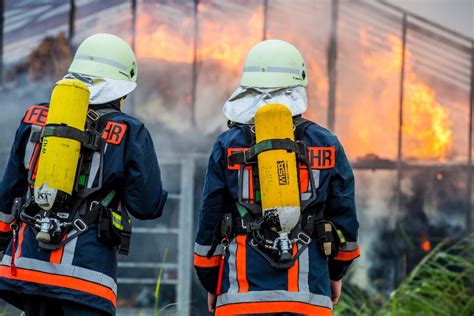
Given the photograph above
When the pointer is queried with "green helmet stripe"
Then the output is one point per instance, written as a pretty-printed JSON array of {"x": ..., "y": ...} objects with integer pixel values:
[{"x": 101, "y": 60}]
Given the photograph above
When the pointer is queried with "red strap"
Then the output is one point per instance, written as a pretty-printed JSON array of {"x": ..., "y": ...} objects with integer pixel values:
[
  {"x": 225, "y": 243},
  {"x": 221, "y": 271}
]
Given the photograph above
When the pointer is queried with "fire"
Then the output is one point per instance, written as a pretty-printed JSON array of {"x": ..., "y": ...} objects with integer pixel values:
[
  {"x": 217, "y": 41},
  {"x": 427, "y": 127},
  {"x": 426, "y": 245},
  {"x": 223, "y": 43}
]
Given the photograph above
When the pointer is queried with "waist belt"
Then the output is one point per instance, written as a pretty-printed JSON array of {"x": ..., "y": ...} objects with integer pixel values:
[{"x": 312, "y": 225}]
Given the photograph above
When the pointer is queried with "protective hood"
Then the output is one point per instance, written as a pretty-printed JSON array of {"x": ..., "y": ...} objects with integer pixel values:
[
  {"x": 244, "y": 102},
  {"x": 103, "y": 90}
]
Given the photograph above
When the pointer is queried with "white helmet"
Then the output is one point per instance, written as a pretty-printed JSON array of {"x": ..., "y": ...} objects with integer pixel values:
[
  {"x": 107, "y": 64},
  {"x": 274, "y": 64}
]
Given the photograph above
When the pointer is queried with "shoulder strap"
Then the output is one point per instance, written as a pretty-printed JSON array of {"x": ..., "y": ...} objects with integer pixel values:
[
  {"x": 301, "y": 125},
  {"x": 249, "y": 132}
]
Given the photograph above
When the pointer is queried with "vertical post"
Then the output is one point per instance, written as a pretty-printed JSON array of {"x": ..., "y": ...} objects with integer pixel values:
[
  {"x": 185, "y": 238},
  {"x": 265, "y": 19},
  {"x": 469, "y": 211},
  {"x": 399, "y": 154},
  {"x": 134, "y": 23},
  {"x": 195, "y": 64},
  {"x": 332, "y": 61},
  {"x": 2, "y": 9},
  {"x": 133, "y": 31},
  {"x": 72, "y": 18}
]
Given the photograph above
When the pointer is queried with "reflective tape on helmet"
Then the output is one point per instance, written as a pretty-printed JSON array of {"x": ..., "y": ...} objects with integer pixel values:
[
  {"x": 101, "y": 60},
  {"x": 287, "y": 70}
]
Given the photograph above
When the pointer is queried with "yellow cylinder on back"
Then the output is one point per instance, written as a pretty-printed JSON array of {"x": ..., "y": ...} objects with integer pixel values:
[
  {"x": 59, "y": 156},
  {"x": 278, "y": 168}
]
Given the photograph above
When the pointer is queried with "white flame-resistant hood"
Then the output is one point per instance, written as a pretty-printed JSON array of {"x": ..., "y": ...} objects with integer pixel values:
[
  {"x": 103, "y": 90},
  {"x": 245, "y": 101}
]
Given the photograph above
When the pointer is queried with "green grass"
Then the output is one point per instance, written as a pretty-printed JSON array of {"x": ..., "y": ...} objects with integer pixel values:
[
  {"x": 441, "y": 284},
  {"x": 156, "y": 310}
]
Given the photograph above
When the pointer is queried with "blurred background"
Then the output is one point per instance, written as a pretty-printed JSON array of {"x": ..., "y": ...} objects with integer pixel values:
[{"x": 394, "y": 81}]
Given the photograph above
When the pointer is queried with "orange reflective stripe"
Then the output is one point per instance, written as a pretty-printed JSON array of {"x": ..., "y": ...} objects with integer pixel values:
[
  {"x": 204, "y": 262},
  {"x": 60, "y": 281},
  {"x": 4, "y": 227},
  {"x": 251, "y": 192},
  {"x": 272, "y": 307},
  {"x": 347, "y": 255},
  {"x": 57, "y": 255},
  {"x": 20, "y": 240},
  {"x": 304, "y": 180},
  {"x": 293, "y": 273},
  {"x": 241, "y": 262}
]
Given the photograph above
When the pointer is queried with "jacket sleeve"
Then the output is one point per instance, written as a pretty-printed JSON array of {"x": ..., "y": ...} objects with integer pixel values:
[
  {"x": 14, "y": 182},
  {"x": 143, "y": 192},
  {"x": 213, "y": 204},
  {"x": 341, "y": 210}
]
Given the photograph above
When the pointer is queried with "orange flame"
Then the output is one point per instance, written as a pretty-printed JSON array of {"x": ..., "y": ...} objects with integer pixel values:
[
  {"x": 217, "y": 41},
  {"x": 426, "y": 245},
  {"x": 427, "y": 128}
]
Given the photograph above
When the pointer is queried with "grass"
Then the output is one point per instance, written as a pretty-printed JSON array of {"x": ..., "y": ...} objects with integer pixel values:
[
  {"x": 441, "y": 284},
  {"x": 156, "y": 311}
]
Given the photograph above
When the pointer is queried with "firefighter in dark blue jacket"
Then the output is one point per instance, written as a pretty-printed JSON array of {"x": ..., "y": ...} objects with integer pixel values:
[
  {"x": 234, "y": 255},
  {"x": 65, "y": 263}
]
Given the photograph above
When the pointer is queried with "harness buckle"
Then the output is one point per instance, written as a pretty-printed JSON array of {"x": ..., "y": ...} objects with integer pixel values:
[
  {"x": 80, "y": 225},
  {"x": 93, "y": 115},
  {"x": 93, "y": 204},
  {"x": 242, "y": 223},
  {"x": 305, "y": 239}
]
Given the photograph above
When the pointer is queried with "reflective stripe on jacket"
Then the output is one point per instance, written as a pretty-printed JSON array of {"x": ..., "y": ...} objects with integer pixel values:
[
  {"x": 249, "y": 284},
  {"x": 83, "y": 270}
]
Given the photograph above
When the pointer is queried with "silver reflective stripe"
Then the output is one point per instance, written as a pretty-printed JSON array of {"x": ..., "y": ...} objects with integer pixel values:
[
  {"x": 287, "y": 70},
  {"x": 64, "y": 270},
  {"x": 69, "y": 250},
  {"x": 303, "y": 271},
  {"x": 202, "y": 250},
  {"x": 95, "y": 165},
  {"x": 246, "y": 185},
  {"x": 6, "y": 218},
  {"x": 233, "y": 285},
  {"x": 305, "y": 196},
  {"x": 274, "y": 296},
  {"x": 316, "y": 176},
  {"x": 350, "y": 246},
  {"x": 102, "y": 60},
  {"x": 30, "y": 146}
]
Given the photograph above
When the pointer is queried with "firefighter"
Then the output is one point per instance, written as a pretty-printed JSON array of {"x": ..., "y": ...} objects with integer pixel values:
[
  {"x": 238, "y": 253},
  {"x": 61, "y": 257}
]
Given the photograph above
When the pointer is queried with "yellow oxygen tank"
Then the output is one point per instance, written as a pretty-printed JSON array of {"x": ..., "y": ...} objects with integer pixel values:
[
  {"x": 59, "y": 156},
  {"x": 278, "y": 169}
]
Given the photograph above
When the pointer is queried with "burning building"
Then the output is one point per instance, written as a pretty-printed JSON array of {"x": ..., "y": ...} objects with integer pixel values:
[{"x": 395, "y": 88}]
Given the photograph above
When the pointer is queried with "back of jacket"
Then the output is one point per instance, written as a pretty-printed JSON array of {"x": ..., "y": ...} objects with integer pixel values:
[
  {"x": 250, "y": 285},
  {"x": 84, "y": 269}
]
